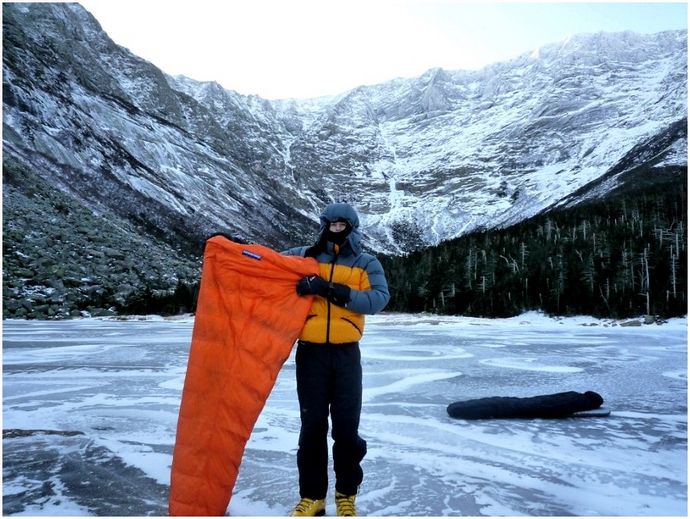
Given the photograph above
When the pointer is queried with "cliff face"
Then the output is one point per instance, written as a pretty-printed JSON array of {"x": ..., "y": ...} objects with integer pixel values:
[{"x": 427, "y": 159}]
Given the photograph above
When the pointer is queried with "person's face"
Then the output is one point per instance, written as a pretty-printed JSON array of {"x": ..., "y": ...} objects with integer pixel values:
[{"x": 337, "y": 226}]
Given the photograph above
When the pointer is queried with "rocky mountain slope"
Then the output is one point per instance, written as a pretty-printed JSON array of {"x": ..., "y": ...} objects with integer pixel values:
[{"x": 172, "y": 160}]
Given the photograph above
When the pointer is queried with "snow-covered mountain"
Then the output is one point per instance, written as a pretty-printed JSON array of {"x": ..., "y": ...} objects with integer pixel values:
[{"x": 423, "y": 159}]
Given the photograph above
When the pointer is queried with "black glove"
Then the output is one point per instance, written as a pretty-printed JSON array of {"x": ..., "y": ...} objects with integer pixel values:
[
  {"x": 336, "y": 293},
  {"x": 339, "y": 295},
  {"x": 313, "y": 285}
]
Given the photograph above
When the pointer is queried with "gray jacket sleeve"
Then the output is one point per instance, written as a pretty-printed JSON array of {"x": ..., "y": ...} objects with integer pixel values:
[{"x": 375, "y": 299}]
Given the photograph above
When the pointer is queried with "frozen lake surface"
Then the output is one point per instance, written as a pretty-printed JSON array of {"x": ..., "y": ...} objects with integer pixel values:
[{"x": 90, "y": 409}]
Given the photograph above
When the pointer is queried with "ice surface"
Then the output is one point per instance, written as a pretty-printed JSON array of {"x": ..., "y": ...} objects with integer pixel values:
[{"x": 90, "y": 409}]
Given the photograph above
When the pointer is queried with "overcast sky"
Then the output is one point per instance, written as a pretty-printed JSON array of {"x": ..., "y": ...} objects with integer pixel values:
[{"x": 309, "y": 48}]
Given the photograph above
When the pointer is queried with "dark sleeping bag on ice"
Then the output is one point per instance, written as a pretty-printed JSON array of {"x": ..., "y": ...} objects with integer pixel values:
[{"x": 557, "y": 405}]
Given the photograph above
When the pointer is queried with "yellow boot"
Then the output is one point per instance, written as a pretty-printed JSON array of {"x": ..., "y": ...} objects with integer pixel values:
[
  {"x": 309, "y": 508},
  {"x": 345, "y": 505}
]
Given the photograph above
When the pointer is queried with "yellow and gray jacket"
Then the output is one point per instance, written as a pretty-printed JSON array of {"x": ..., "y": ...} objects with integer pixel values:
[{"x": 346, "y": 265}]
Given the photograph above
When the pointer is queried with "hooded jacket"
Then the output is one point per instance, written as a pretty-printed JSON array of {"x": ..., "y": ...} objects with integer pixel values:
[{"x": 343, "y": 264}]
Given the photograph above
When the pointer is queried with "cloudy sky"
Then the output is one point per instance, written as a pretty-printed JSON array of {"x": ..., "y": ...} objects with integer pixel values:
[{"x": 309, "y": 48}]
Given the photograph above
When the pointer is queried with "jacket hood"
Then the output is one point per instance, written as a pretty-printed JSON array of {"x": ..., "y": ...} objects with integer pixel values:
[{"x": 342, "y": 211}]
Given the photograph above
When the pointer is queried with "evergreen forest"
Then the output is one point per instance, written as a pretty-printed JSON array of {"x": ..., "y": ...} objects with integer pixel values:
[{"x": 620, "y": 257}]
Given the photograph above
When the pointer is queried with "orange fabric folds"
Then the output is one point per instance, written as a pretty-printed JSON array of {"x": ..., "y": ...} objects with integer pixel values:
[{"x": 248, "y": 318}]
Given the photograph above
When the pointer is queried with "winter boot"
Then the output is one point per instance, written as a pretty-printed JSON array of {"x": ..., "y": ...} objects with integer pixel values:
[
  {"x": 345, "y": 505},
  {"x": 309, "y": 508}
]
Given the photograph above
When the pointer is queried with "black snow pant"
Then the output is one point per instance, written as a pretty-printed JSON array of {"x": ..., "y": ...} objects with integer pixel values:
[{"x": 329, "y": 378}]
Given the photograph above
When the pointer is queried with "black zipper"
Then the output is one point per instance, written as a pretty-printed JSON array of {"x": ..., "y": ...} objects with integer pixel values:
[{"x": 328, "y": 301}]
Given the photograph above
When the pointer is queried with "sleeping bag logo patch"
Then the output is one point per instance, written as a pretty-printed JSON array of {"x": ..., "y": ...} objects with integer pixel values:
[{"x": 251, "y": 254}]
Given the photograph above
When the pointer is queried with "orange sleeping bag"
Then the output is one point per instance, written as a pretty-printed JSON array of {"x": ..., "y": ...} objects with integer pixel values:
[{"x": 247, "y": 320}]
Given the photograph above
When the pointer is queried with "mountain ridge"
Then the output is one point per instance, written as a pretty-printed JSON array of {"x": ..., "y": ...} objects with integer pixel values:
[
  {"x": 421, "y": 148},
  {"x": 423, "y": 159}
]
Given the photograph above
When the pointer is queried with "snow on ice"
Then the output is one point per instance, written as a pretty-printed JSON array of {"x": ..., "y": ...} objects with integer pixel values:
[{"x": 90, "y": 409}]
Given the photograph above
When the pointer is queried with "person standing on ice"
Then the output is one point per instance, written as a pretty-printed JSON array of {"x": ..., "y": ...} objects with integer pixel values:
[{"x": 328, "y": 363}]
